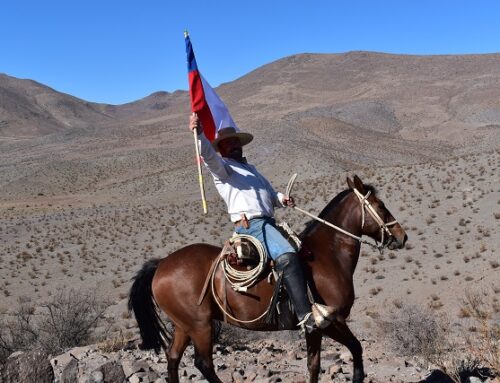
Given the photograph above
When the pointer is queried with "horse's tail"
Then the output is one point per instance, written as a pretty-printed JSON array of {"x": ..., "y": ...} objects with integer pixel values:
[{"x": 141, "y": 301}]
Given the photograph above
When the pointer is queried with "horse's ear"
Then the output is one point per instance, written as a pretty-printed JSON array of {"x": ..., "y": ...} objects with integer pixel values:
[
  {"x": 359, "y": 184},
  {"x": 350, "y": 183}
]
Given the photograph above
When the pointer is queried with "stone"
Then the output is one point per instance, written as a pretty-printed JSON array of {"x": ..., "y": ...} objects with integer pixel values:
[
  {"x": 79, "y": 352},
  {"x": 70, "y": 372},
  {"x": 346, "y": 357},
  {"x": 134, "y": 379},
  {"x": 113, "y": 372},
  {"x": 237, "y": 378},
  {"x": 28, "y": 367},
  {"x": 335, "y": 369},
  {"x": 97, "y": 376},
  {"x": 130, "y": 367}
]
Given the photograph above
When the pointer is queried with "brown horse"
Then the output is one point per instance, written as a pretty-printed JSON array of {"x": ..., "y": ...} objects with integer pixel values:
[{"x": 176, "y": 282}]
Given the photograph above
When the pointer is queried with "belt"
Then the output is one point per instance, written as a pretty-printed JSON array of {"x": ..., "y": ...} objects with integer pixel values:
[
  {"x": 245, "y": 222},
  {"x": 242, "y": 222}
]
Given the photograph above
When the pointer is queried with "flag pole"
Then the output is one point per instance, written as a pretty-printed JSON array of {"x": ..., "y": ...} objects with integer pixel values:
[
  {"x": 200, "y": 174},
  {"x": 198, "y": 160}
]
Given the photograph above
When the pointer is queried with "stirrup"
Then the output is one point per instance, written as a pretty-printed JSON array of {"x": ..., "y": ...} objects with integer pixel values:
[{"x": 323, "y": 315}]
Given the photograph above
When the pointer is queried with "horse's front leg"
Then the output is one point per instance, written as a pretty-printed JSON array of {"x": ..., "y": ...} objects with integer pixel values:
[
  {"x": 342, "y": 334},
  {"x": 313, "y": 341}
]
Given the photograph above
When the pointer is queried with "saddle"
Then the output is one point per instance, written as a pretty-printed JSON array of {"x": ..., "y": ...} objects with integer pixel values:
[{"x": 243, "y": 254}]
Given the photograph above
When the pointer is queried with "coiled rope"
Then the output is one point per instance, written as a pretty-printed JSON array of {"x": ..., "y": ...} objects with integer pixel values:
[{"x": 240, "y": 280}]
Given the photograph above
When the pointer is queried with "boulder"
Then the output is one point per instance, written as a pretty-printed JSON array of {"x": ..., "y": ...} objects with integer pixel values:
[
  {"x": 113, "y": 372},
  {"x": 70, "y": 372}
]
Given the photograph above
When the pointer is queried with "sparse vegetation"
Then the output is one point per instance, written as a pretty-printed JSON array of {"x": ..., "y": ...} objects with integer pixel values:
[{"x": 68, "y": 319}]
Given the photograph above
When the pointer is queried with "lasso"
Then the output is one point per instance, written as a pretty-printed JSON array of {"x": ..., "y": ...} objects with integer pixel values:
[{"x": 240, "y": 280}]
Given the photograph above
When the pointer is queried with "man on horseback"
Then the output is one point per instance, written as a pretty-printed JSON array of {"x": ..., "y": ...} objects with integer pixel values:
[{"x": 250, "y": 201}]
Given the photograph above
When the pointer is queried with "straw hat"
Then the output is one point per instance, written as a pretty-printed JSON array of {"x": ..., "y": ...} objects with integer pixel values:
[{"x": 245, "y": 138}]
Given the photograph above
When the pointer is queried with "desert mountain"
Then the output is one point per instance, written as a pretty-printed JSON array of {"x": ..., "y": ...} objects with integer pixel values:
[{"x": 316, "y": 112}]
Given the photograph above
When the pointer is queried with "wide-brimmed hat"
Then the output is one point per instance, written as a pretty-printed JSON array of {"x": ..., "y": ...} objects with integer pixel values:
[{"x": 245, "y": 138}]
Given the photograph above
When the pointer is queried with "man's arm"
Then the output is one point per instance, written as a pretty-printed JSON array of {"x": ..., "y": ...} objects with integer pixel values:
[
  {"x": 212, "y": 160},
  {"x": 279, "y": 199}
]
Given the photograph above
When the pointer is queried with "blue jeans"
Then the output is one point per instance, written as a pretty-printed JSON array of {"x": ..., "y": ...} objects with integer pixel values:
[{"x": 264, "y": 229}]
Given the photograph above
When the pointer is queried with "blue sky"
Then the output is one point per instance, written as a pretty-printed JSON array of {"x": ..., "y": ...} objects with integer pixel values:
[{"x": 119, "y": 51}]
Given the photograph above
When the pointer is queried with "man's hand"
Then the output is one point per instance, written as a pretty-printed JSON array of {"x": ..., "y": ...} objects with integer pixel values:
[
  {"x": 289, "y": 201},
  {"x": 195, "y": 123}
]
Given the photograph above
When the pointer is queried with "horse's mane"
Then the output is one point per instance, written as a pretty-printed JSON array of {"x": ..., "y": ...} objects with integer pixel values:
[{"x": 311, "y": 224}]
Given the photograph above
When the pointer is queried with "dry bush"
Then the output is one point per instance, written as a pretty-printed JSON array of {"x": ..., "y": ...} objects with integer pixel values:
[
  {"x": 115, "y": 343},
  {"x": 20, "y": 332},
  {"x": 67, "y": 320},
  {"x": 416, "y": 331},
  {"x": 484, "y": 344}
]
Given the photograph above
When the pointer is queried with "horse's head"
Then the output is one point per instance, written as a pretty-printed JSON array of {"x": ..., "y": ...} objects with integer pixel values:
[{"x": 377, "y": 220}]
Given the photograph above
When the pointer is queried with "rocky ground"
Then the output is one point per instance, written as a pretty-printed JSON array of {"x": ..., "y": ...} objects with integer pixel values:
[{"x": 450, "y": 210}]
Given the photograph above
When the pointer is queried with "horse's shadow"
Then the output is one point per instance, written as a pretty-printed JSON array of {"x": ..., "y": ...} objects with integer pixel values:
[{"x": 438, "y": 376}]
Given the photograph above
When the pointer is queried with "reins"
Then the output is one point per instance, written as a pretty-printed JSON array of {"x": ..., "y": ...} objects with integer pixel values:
[
  {"x": 242, "y": 280},
  {"x": 365, "y": 205}
]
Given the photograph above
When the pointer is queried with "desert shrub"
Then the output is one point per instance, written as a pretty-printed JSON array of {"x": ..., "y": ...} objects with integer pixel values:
[
  {"x": 67, "y": 320},
  {"x": 20, "y": 332},
  {"x": 483, "y": 316},
  {"x": 413, "y": 330}
]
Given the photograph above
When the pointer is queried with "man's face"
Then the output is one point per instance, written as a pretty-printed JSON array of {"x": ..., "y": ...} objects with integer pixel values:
[{"x": 231, "y": 148}]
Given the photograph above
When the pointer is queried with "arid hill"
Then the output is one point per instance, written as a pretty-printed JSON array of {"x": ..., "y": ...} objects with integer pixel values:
[{"x": 318, "y": 113}]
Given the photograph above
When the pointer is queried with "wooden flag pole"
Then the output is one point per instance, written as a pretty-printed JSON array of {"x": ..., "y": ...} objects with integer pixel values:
[{"x": 200, "y": 174}]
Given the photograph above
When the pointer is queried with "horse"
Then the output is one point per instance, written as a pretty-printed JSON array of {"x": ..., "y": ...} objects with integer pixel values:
[{"x": 174, "y": 285}]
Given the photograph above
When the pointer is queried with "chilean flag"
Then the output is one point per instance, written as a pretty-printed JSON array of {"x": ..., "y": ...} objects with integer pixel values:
[{"x": 211, "y": 111}]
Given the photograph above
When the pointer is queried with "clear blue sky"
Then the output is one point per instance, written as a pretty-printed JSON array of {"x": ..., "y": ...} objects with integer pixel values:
[{"x": 119, "y": 51}]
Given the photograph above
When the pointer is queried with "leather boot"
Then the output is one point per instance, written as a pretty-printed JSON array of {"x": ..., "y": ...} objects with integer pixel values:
[{"x": 295, "y": 285}]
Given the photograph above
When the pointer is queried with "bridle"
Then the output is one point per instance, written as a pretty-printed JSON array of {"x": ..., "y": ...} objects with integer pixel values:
[
  {"x": 365, "y": 206},
  {"x": 384, "y": 226}
]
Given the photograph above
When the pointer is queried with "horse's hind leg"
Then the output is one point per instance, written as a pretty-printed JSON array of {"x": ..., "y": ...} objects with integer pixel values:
[
  {"x": 313, "y": 341},
  {"x": 174, "y": 353},
  {"x": 203, "y": 348},
  {"x": 342, "y": 334}
]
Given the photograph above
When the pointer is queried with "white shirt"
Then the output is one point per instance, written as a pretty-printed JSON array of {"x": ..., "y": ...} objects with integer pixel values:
[{"x": 240, "y": 185}]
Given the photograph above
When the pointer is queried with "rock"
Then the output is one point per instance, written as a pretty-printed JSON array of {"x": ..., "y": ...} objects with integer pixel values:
[
  {"x": 28, "y": 367},
  {"x": 408, "y": 364},
  {"x": 80, "y": 352},
  {"x": 113, "y": 372},
  {"x": 346, "y": 357},
  {"x": 330, "y": 356},
  {"x": 335, "y": 369},
  {"x": 237, "y": 377},
  {"x": 70, "y": 372},
  {"x": 130, "y": 367},
  {"x": 144, "y": 377},
  {"x": 97, "y": 376},
  {"x": 220, "y": 366}
]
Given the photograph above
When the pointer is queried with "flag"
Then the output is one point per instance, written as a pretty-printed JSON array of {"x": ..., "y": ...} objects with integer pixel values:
[{"x": 211, "y": 110}]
